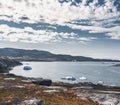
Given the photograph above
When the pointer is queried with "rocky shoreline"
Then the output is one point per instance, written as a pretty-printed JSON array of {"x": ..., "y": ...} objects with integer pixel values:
[
  {"x": 6, "y": 64},
  {"x": 17, "y": 90}
]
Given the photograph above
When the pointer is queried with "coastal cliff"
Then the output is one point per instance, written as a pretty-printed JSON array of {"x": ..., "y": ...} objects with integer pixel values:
[{"x": 6, "y": 64}]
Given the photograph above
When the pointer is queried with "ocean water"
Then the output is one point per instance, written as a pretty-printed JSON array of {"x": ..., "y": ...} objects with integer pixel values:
[{"x": 93, "y": 71}]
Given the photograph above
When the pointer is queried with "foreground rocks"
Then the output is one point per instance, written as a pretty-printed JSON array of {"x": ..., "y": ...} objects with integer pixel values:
[
  {"x": 104, "y": 95},
  {"x": 17, "y": 90},
  {"x": 21, "y": 91},
  {"x": 102, "y": 98}
]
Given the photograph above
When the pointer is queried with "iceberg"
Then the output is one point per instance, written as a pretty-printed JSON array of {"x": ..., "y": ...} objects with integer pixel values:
[
  {"x": 27, "y": 68},
  {"x": 83, "y": 78},
  {"x": 69, "y": 78}
]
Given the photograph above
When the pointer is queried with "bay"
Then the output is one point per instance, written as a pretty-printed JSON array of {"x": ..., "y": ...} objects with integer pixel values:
[{"x": 92, "y": 71}]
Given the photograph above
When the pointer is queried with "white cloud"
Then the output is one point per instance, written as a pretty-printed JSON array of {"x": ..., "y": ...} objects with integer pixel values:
[
  {"x": 36, "y": 36},
  {"x": 87, "y": 38},
  {"x": 53, "y": 12},
  {"x": 112, "y": 32}
]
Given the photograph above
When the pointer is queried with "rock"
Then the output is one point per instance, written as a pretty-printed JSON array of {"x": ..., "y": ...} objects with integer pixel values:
[
  {"x": 27, "y": 68},
  {"x": 19, "y": 86},
  {"x": 83, "y": 87},
  {"x": 32, "y": 102},
  {"x": 56, "y": 87},
  {"x": 26, "y": 81},
  {"x": 104, "y": 99},
  {"x": 9, "y": 79},
  {"x": 10, "y": 74},
  {"x": 45, "y": 82},
  {"x": 51, "y": 91},
  {"x": 1, "y": 87},
  {"x": 112, "y": 101},
  {"x": 118, "y": 103},
  {"x": 6, "y": 64},
  {"x": 116, "y": 65}
]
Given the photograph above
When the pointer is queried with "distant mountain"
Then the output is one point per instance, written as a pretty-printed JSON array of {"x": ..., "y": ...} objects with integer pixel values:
[{"x": 36, "y": 55}]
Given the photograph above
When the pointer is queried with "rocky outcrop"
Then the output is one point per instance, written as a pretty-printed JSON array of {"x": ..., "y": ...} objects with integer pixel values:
[
  {"x": 32, "y": 102},
  {"x": 116, "y": 65},
  {"x": 6, "y": 64},
  {"x": 38, "y": 81},
  {"x": 45, "y": 82},
  {"x": 101, "y": 98}
]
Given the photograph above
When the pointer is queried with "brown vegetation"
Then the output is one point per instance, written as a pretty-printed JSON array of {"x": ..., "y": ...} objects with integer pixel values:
[{"x": 15, "y": 91}]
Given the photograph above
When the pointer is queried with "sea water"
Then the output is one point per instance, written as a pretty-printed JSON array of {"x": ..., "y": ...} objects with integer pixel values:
[{"x": 94, "y": 72}]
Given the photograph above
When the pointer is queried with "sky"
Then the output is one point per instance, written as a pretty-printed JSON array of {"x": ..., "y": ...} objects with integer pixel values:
[{"x": 76, "y": 27}]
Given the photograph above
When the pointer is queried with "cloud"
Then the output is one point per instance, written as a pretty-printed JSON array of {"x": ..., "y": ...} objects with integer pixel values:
[
  {"x": 114, "y": 33},
  {"x": 54, "y": 12},
  {"x": 30, "y": 35},
  {"x": 111, "y": 32},
  {"x": 92, "y": 17}
]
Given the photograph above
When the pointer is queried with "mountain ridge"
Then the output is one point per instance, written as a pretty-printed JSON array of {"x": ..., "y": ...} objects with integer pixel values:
[{"x": 41, "y": 55}]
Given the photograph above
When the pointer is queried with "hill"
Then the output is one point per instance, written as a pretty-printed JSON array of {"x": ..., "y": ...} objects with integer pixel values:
[{"x": 38, "y": 55}]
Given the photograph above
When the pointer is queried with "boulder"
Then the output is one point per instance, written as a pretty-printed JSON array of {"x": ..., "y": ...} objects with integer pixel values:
[
  {"x": 32, "y": 102},
  {"x": 10, "y": 74},
  {"x": 9, "y": 79},
  {"x": 45, "y": 82}
]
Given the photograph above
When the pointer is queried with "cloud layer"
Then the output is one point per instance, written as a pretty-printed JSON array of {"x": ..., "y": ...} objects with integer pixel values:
[{"x": 93, "y": 17}]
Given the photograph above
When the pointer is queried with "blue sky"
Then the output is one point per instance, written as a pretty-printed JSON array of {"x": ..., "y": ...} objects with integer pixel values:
[{"x": 76, "y": 27}]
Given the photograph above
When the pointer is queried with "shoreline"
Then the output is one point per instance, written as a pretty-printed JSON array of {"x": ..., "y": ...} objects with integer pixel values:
[
  {"x": 27, "y": 88},
  {"x": 6, "y": 64},
  {"x": 86, "y": 92}
]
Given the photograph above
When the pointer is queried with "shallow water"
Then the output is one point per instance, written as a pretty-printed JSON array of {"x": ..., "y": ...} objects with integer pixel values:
[{"x": 92, "y": 71}]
